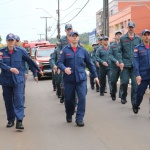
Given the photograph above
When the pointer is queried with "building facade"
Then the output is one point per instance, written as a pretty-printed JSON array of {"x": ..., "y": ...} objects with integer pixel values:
[
  {"x": 113, "y": 8},
  {"x": 121, "y": 12},
  {"x": 138, "y": 12},
  {"x": 92, "y": 37}
]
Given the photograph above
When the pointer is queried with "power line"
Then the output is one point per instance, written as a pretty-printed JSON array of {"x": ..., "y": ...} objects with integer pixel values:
[
  {"x": 77, "y": 13},
  {"x": 18, "y": 17},
  {"x": 53, "y": 23},
  {"x": 69, "y": 6},
  {"x": 6, "y": 2},
  {"x": 53, "y": 33},
  {"x": 69, "y": 13}
]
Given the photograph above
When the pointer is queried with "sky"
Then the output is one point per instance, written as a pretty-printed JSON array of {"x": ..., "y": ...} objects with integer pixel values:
[{"x": 22, "y": 17}]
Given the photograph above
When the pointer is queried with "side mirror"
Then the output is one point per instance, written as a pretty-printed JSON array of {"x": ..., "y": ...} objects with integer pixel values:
[{"x": 33, "y": 56}]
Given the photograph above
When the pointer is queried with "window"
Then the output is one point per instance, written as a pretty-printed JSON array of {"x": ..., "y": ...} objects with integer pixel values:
[{"x": 111, "y": 12}]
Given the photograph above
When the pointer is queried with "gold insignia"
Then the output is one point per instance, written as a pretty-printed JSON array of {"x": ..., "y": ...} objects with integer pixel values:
[
  {"x": 60, "y": 52},
  {"x": 135, "y": 50},
  {"x": 10, "y": 35}
]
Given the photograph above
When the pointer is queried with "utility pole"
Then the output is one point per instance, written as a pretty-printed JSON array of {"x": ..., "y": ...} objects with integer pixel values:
[
  {"x": 58, "y": 24},
  {"x": 46, "y": 26},
  {"x": 106, "y": 17},
  {"x": 40, "y": 35}
]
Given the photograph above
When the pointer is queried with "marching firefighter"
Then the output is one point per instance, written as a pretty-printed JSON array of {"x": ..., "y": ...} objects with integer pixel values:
[
  {"x": 115, "y": 69},
  {"x": 125, "y": 58}
]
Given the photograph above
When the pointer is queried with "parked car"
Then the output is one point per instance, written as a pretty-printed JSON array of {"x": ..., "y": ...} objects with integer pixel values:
[
  {"x": 32, "y": 46},
  {"x": 42, "y": 56}
]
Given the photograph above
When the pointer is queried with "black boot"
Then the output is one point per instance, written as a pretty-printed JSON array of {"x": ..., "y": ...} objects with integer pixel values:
[
  {"x": 123, "y": 101},
  {"x": 68, "y": 118},
  {"x": 113, "y": 96},
  {"x": 19, "y": 125},
  {"x": 58, "y": 91},
  {"x": 135, "y": 109},
  {"x": 10, "y": 124},
  {"x": 97, "y": 89},
  {"x": 80, "y": 123},
  {"x": 62, "y": 99},
  {"x": 92, "y": 87}
]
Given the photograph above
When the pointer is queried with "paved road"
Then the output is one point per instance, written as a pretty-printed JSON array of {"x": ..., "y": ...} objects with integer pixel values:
[{"x": 108, "y": 125}]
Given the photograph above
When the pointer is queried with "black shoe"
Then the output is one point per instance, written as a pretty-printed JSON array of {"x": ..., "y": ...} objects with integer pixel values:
[
  {"x": 10, "y": 124},
  {"x": 80, "y": 123},
  {"x": 59, "y": 96},
  {"x": 135, "y": 110},
  {"x": 105, "y": 90},
  {"x": 113, "y": 96},
  {"x": 92, "y": 87},
  {"x": 97, "y": 89},
  {"x": 19, "y": 125},
  {"x": 101, "y": 94},
  {"x": 123, "y": 101},
  {"x": 69, "y": 118},
  {"x": 62, "y": 100}
]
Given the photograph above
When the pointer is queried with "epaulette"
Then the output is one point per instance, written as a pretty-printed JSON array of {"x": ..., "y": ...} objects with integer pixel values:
[
  {"x": 2, "y": 49},
  {"x": 137, "y": 45}
]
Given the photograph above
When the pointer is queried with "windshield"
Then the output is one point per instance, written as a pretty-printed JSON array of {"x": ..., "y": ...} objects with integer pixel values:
[
  {"x": 33, "y": 50},
  {"x": 45, "y": 53},
  {"x": 27, "y": 49}
]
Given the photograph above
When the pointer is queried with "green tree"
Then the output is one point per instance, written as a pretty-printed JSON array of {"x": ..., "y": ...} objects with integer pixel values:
[
  {"x": 88, "y": 47},
  {"x": 0, "y": 39},
  {"x": 84, "y": 39}
]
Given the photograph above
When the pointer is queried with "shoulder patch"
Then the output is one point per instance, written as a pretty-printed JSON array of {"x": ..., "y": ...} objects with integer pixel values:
[
  {"x": 135, "y": 50},
  {"x": 61, "y": 52}
]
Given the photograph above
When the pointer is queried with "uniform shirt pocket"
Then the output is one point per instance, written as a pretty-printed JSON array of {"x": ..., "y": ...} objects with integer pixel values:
[
  {"x": 82, "y": 74},
  {"x": 6, "y": 60},
  {"x": 18, "y": 63},
  {"x": 143, "y": 57},
  {"x": 81, "y": 59}
]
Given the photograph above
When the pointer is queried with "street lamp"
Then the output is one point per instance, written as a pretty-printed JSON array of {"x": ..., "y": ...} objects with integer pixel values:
[{"x": 47, "y": 13}]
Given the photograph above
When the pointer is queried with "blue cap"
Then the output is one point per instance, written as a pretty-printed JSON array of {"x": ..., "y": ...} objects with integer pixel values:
[
  {"x": 74, "y": 32},
  {"x": 17, "y": 38},
  {"x": 118, "y": 31},
  {"x": 145, "y": 31},
  {"x": 131, "y": 24},
  {"x": 106, "y": 37},
  {"x": 68, "y": 26},
  {"x": 101, "y": 38},
  {"x": 10, "y": 36}
]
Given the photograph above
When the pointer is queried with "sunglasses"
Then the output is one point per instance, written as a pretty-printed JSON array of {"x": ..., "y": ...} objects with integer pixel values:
[{"x": 10, "y": 40}]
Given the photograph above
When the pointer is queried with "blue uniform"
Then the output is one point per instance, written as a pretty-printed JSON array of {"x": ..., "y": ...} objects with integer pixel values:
[
  {"x": 76, "y": 81},
  {"x": 141, "y": 68},
  {"x": 13, "y": 84},
  {"x": 27, "y": 70}
]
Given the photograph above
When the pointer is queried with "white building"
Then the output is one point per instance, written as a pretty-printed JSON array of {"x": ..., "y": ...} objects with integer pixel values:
[{"x": 92, "y": 37}]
